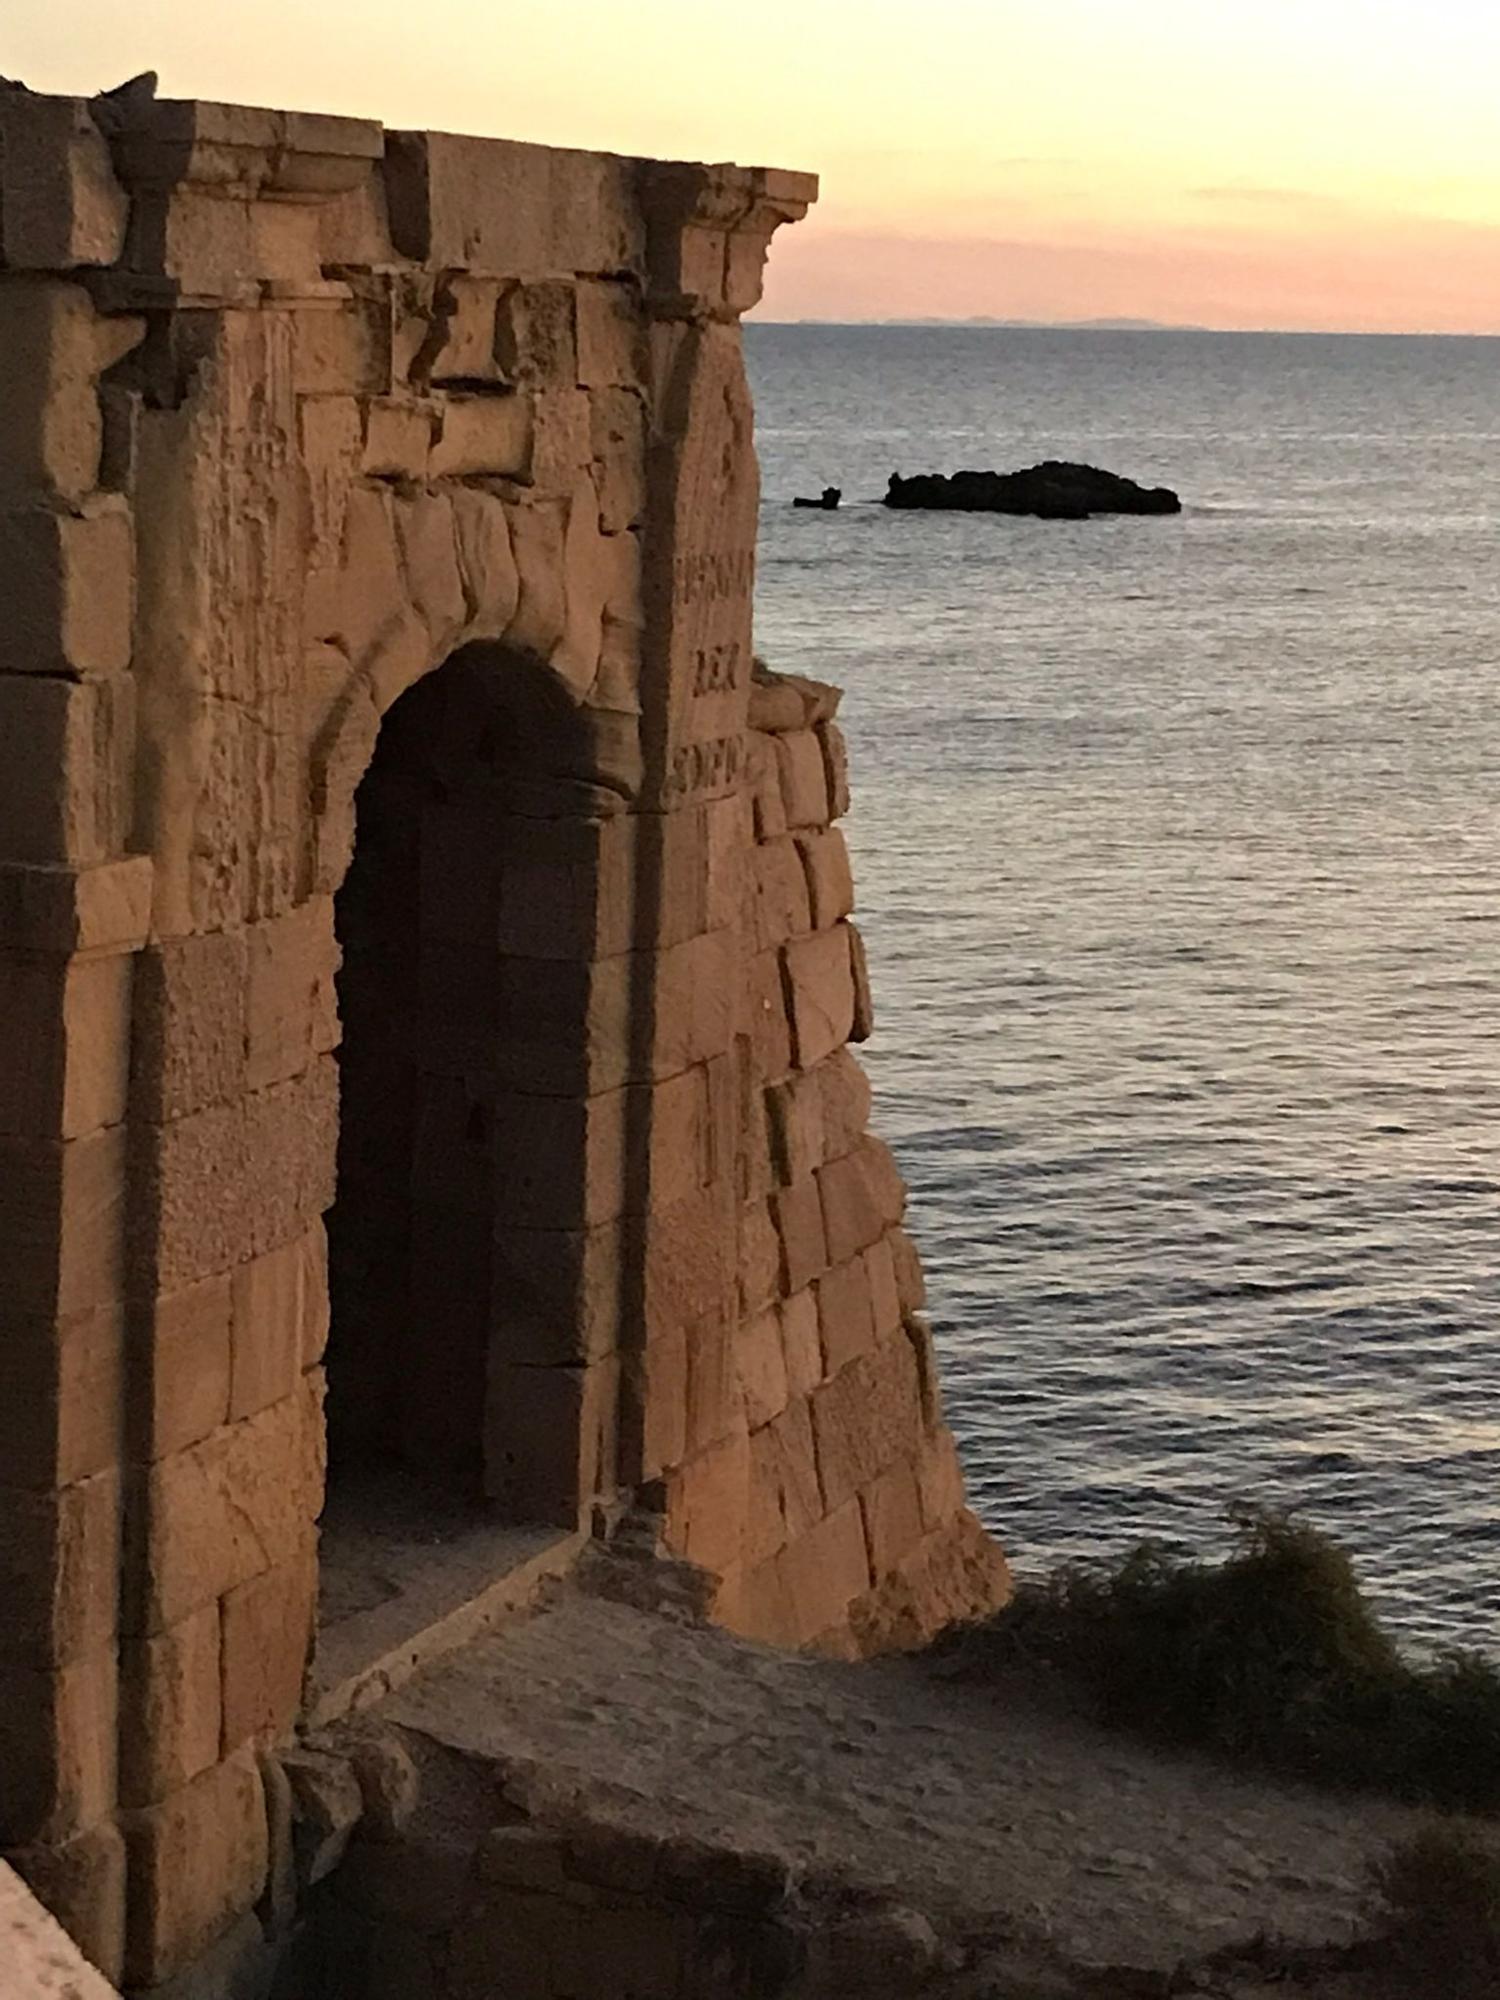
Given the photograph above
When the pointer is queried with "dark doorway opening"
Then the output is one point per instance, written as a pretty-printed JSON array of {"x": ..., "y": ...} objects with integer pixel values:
[{"x": 411, "y": 1546}]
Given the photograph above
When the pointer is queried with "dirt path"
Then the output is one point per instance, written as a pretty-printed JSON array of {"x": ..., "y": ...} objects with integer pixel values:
[{"x": 982, "y": 1804}]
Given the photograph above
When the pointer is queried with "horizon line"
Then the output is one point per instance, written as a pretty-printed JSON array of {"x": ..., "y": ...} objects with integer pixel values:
[{"x": 1125, "y": 325}]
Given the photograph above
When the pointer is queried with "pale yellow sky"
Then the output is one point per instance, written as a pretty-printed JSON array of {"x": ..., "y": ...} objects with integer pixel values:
[{"x": 1282, "y": 162}]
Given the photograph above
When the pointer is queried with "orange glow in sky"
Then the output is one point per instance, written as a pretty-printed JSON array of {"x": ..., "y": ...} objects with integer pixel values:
[{"x": 1295, "y": 163}]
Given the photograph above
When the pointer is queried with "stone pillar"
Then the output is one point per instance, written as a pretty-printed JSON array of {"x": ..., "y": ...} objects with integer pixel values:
[
  {"x": 74, "y": 909},
  {"x": 708, "y": 230}
]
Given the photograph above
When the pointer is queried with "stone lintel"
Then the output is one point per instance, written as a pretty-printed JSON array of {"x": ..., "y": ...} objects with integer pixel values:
[
  {"x": 291, "y": 155},
  {"x": 708, "y": 231}
]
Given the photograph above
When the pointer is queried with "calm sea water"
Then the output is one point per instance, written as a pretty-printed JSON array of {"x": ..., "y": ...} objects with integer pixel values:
[{"x": 1178, "y": 846}]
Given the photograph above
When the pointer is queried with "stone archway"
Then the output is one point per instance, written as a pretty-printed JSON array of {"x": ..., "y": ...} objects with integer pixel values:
[
  {"x": 301, "y": 410},
  {"x": 458, "y": 988}
]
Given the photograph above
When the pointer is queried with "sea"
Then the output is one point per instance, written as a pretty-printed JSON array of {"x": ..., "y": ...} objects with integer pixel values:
[{"x": 1177, "y": 843}]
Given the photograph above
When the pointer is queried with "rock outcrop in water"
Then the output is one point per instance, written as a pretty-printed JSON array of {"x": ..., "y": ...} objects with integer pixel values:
[{"x": 1055, "y": 490}]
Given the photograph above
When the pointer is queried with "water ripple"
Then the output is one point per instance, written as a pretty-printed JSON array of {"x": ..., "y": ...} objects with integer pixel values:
[{"x": 1177, "y": 851}]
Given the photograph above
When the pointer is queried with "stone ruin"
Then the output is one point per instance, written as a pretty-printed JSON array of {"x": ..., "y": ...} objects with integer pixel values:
[{"x": 427, "y": 966}]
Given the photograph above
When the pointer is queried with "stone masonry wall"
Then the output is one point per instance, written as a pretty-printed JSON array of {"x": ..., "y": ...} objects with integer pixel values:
[
  {"x": 831, "y": 1503},
  {"x": 295, "y": 413}
]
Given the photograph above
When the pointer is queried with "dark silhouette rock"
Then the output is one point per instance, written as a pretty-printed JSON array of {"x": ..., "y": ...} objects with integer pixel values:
[
  {"x": 831, "y": 498},
  {"x": 1055, "y": 490},
  {"x": 118, "y": 109}
]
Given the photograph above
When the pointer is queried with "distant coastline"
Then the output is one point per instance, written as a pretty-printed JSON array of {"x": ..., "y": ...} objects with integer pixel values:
[{"x": 1129, "y": 326}]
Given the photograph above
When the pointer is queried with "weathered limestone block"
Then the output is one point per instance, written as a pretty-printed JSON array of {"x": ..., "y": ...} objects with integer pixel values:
[
  {"x": 291, "y": 1012},
  {"x": 820, "y": 980},
  {"x": 611, "y": 334},
  {"x": 69, "y": 582},
  {"x": 66, "y": 768},
  {"x": 426, "y": 534},
  {"x": 491, "y": 205},
  {"x": 845, "y": 1093},
  {"x": 784, "y": 1500},
  {"x": 59, "y": 1554},
  {"x": 580, "y": 1162},
  {"x": 551, "y": 1438},
  {"x": 823, "y": 1572},
  {"x": 60, "y": 204},
  {"x": 865, "y": 1418},
  {"x": 462, "y": 343},
  {"x": 940, "y": 1479},
  {"x": 775, "y": 706},
  {"x": 197, "y": 1860},
  {"x": 62, "y": 1389},
  {"x": 57, "y": 1747},
  {"x": 836, "y": 768},
  {"x": 761, "y": 1363},
  {"x": 782, "y": 906},
  {"x": 846, "y": 1314},
  {"x": 707, "y": 1502},
  {"x": 225, "y": 1184},
  {"x": 654, "y": 1406},
  {"x": 42, "y": 1961},
  {"x": 715, "y": 1395},
  {"x": 331, "y": 446},
  {"x": 72, "y": 1017},
  {"x": 536, "y": 334},
  {"x": 483, "y": 434},
  {"x": 951, "y": 1577},
  {"x": 232, "y": 1507},
  {"x": 763, "y": 780},
  {"x": 708, "y": 231},
  {"x": 804, "y": 779},
  {"x": 267, "y": 1639},
  {"x": 269, "y": 1313},
  {"x": 570, "y": 1027},
  {"x": 893, "y": 1519},
  {"x": 223, "y": 555},
  {"x": 801, "y": 1342},
  {"x": 397, "y": 438},
  {"x": 339, "y": 348},
  {"x": 171, "y": 1701},
  {"x": 830, "y": 880},
  {"x": 62, "y": 1210},
  {"x": 864, "y": 1005},
  {"x": 188, "y": 1046},
  {"x": 911, "y": 1285},
  {"x": 537, "y": 535},
  {"x": 180, "y": 1385},
  {"x": 486, "y": 561},
  {"x": 591, "y": 578},
  {"x": 760, "y": 1268},
  {"x": 804, "y": 1241},
  {"x": 51, "y": 431},
  {"x": 57, "y": 909},
  {"x": 885, "y": 1292},
  {"x": 794, "y": 1126},
  {"x": 618, "y": 441},
  {"x": 863, "y": 1195},
  {"x": 766, "y": 1015}
]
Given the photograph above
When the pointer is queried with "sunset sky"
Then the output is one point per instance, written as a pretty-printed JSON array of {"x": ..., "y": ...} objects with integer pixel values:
[{"x": 1293, "y": 163}]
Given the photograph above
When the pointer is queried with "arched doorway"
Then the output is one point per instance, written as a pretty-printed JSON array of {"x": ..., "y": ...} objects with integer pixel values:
[{"x": 456, "y": 1438}]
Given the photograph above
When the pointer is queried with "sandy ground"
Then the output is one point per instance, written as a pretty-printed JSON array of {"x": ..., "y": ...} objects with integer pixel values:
[{"x": 989, "y": 1806}]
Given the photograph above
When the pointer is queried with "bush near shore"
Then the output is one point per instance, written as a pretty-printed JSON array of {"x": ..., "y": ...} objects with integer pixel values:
[{"x": 1272, "y": 1656}]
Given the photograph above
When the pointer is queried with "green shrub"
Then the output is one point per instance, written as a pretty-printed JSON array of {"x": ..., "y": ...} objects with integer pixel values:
[{"x": 1271, "y": 1656}]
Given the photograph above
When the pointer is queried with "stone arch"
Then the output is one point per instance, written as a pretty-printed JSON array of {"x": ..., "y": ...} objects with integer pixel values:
[{"x": 466, "y": 923}]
